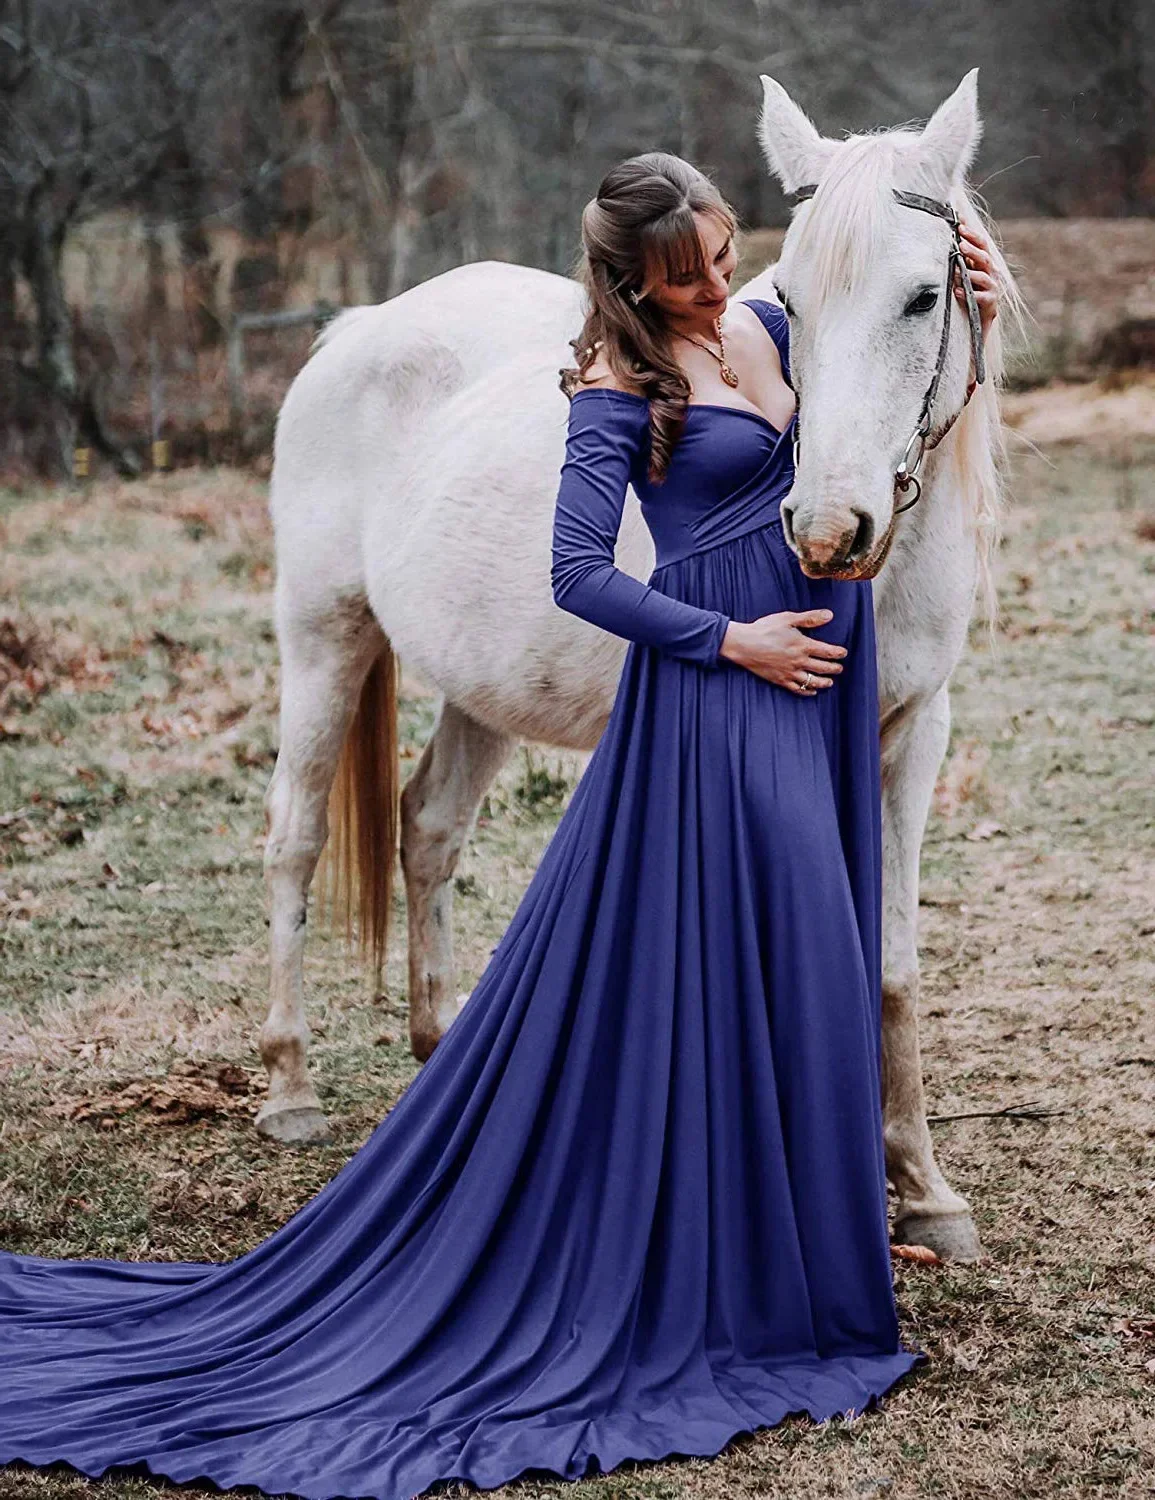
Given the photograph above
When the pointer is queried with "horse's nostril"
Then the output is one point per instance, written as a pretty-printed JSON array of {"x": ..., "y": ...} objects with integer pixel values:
[
  {"x": 864, "y": 535},
  {"x": 787, "y": 514}
]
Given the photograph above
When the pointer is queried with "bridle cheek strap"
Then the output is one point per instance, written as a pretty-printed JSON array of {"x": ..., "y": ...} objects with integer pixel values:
[{"x": 921, "y": 441}]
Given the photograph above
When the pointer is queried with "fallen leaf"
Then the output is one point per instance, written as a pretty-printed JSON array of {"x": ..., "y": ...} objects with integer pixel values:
[
  {"x": 1134, "y": 1328},
  {"x": 921, "y": 1254},
  {"x": 192, "y": 1091}
]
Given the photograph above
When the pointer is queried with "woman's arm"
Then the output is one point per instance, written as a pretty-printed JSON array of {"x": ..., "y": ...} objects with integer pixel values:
[{"x": 603, "y": 438}]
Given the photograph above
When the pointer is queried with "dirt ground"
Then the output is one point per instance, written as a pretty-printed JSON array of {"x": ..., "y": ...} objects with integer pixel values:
[{"x": 137, "y": 698}]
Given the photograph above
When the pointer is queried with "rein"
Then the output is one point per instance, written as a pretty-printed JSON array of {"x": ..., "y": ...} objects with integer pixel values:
[{"x": 908, "y": 471}]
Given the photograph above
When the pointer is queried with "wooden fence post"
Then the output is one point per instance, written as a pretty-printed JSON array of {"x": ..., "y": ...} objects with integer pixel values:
[{"x": 319, "y": 314}]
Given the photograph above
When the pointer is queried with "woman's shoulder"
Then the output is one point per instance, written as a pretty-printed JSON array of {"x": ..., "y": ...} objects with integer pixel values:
[
  {"x": 770, "y": 313},
  {"x": 601, "y": 399},
  {"x": 772, "y": 316},
  {"x": 599, "y": 375}
]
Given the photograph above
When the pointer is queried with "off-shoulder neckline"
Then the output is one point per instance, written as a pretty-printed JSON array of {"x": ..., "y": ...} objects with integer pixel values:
[{"x": 740, "y": 411}]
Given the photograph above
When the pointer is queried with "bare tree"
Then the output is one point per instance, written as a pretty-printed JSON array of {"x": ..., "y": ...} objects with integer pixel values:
[
  {"x": 402, "y": 137},
  {"x": 84, "y": 127}
]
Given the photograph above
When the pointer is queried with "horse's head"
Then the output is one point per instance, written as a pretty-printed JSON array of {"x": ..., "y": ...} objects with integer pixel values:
[{"x": 863, "y": 279}]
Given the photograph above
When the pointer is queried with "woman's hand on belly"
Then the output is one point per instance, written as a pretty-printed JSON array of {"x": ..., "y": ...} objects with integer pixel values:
[{"x": 776, "y": 648}]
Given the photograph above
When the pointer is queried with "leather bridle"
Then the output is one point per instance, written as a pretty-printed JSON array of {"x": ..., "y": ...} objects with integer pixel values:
[{"x": 921, "y": 442}]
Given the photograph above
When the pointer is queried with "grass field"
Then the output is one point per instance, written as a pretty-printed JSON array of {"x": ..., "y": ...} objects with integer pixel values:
[{"x": 137, "y": 732}]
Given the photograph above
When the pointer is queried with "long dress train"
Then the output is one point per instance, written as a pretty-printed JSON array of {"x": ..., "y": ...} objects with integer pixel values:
[{"x": 635, "y": 1203}]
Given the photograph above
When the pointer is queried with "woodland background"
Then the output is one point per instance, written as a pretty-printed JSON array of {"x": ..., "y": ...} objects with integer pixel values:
[{"x": 168, "y": 167}]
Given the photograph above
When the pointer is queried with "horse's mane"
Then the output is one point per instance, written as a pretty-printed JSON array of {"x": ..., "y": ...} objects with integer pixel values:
[{"x": 843, "y": 235}]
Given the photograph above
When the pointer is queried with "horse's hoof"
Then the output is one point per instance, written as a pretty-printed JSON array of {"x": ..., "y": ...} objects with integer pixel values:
[
  {"x": 423, "y": 1041},
  {"x": 295, "y": 1127},
  {"x": 423, "y": 1044},
  {"x": 950, "y": 1236}
]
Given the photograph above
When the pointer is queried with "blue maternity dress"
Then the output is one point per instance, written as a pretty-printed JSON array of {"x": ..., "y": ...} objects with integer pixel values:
[{"x": 635, "y": 1202}]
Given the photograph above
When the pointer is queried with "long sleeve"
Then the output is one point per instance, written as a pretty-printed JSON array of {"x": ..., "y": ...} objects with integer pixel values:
[{"x": 603, "y": 438}]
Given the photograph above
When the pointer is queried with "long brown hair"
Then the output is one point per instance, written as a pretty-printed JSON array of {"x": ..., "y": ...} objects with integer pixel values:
[{"x": 638, "y": 229}]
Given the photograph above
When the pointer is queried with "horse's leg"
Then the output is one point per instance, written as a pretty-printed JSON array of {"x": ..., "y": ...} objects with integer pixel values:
[
  {"x": 439, "y": 804},
  {"x": 323, "y": 665},
  {"x": 929, "y": 1211}
]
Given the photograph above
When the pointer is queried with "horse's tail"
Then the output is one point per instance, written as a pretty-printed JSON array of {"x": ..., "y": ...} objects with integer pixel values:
[{"x": 358, "y": 860}]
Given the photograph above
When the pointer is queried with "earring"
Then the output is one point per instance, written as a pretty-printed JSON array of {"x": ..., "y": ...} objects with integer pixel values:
[{"x": 635, "y": 296}]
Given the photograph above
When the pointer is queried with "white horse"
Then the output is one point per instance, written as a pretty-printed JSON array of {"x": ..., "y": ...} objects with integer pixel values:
[{"x": 416, "y": 463}]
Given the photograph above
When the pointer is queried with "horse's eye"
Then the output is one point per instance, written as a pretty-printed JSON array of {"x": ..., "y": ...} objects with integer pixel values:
[
  {"x": 787, "y": 305},
  {"x": 923, "y": 303}
]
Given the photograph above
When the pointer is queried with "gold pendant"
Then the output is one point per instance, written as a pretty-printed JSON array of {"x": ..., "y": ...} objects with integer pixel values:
[{"x": 729, "y": 376}]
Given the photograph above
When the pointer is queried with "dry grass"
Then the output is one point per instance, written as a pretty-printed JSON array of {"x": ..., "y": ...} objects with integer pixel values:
[
  {"x": 134, "y": 947},
  {"x": 1117, "y": 414}
]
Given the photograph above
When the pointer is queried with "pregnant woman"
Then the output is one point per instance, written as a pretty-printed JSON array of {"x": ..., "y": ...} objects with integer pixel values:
[{"x": 635, "y": 1203}]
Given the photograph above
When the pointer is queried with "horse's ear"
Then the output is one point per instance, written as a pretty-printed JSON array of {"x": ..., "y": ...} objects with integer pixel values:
[
  {"x": 797, "y": 154},
  {"x": 952, "y": 134}
]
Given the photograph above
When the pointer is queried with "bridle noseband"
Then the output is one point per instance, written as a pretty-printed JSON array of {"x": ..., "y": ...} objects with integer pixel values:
[{"x": 921, "y": 442}]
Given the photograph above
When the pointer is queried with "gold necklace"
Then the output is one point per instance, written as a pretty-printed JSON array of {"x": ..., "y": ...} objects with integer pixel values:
[{"x": 728, "y": 374}]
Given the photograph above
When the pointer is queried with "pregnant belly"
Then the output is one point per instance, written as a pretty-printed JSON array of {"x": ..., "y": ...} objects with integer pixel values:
[{"x": 757, "y": 574}]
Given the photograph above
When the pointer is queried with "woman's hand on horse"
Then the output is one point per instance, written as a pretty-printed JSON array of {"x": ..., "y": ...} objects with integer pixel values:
[
  {"x": 774, "y": 647},
  {"x": 977, "y": 248}
]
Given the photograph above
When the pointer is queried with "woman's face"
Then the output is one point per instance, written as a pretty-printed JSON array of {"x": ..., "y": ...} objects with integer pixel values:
[{"x": 700, "y": 298}]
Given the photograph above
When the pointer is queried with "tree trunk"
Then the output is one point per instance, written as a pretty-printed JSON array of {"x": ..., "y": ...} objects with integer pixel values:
[
  {"x": 74, "y": 413},
  {"x": 55, "y": 358}
]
